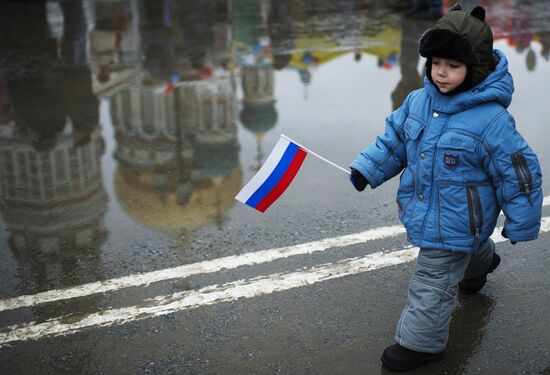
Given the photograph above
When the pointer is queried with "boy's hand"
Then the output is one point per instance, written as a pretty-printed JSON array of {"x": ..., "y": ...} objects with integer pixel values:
[
  {"x": 358, "y": 180},
  {"x": 503, "y": 234}
]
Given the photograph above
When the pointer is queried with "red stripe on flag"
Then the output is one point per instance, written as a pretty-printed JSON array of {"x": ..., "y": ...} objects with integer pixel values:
[{"x": 283, "y": 182}]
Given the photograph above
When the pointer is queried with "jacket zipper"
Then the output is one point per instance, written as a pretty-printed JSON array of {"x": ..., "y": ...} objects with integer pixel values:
[
  {"x": 477, "y": 201},
  {"x": 523, "y": 174},
  {"x": 474, "y": 210}
]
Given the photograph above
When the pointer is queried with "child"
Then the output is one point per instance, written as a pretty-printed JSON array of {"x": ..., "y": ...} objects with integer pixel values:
[{"x": 463, "y": 161}]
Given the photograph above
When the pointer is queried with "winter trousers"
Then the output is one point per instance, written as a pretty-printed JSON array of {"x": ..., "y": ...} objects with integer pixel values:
[{"x": 424, "y": 322}]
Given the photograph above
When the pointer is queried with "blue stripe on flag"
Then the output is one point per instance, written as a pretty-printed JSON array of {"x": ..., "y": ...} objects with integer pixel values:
[{"x": 274, "y": 177}]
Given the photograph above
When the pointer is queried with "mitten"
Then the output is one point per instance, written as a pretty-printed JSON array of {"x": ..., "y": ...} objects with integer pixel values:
[
  {"x": 503, "y": 234},
  {"x": 358, "y": 180}
]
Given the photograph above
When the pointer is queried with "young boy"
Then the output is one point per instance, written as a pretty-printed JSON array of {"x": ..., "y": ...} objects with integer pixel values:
[{"x": 463, "y": 161}]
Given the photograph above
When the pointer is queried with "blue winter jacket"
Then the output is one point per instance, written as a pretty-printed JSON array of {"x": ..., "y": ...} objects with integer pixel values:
[{"x": 463, "y": 161}]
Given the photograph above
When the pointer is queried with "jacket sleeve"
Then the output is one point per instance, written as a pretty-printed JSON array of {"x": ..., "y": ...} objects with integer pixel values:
[
  {"x": 517, "y": 178},
  {"x": 386, "y": 157}
]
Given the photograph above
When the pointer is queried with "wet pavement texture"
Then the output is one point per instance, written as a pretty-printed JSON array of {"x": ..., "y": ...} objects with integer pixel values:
[{"x": 127, "y": 127}]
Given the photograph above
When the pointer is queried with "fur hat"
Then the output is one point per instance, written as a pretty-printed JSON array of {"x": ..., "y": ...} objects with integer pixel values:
[{"x": 464, "y": 37}]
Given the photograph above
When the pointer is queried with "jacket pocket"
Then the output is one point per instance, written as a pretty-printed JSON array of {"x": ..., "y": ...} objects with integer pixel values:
[
  {"x": 523, "y": 174},
  {"x": 460, "y": 214},
  {"x": 456, "y": 154},
  {"x": 413, "y": 135},
  {"x": 466, "y": 211}
]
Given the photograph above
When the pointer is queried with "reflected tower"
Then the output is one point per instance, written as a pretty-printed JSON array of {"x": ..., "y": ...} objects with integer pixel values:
[
  {"x": 177, "y": 148},
  {"x": 258, "y": 113},
  {"x": 114, "y": 46},
  {"x": 178, "y": 154},
  {"x": 53, "y": 203},
  {"x": 52, "y": 196},
  {"x": 255, "y": 59}
]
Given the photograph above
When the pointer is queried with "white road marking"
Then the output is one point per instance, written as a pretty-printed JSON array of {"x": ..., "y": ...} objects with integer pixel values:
[
  {"x": 210, "y": 266},
  {"x": 209, "y": 295},
  {"x": 229, "y": 262},
  {"x": 213, "y": 294}
]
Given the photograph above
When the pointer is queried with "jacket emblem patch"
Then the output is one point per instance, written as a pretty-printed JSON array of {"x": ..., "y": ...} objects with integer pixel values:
[{"x": 451, "y": 160}]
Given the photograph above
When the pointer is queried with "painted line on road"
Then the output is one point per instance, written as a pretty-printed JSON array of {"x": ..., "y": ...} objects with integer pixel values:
[
  {"x": 214, "y": 294},
  {"x": 210, "y": 266},
  {"x": 209, "y": 295}
]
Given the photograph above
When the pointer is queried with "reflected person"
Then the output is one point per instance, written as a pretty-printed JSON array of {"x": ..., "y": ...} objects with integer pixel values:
[
  {"x": 29, "y": 63},
  {"x": 408, "y": 61},
  {"x": 463, "y": 161}
]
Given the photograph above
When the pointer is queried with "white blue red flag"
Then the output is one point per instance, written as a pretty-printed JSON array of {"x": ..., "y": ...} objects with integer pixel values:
[{"x": 274, "y": 176}]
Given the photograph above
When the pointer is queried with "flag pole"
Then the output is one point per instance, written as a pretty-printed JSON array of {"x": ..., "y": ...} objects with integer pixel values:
[{"x": 313, "y": 153}]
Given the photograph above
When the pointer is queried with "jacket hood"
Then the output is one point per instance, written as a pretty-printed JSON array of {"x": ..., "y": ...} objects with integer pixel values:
[
  {"x": 464, "y": 37},
  {"x": 498, "y": 87}
]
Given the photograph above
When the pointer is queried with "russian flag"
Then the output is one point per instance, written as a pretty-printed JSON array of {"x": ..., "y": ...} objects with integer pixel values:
[{"x": 274, "y": 176}]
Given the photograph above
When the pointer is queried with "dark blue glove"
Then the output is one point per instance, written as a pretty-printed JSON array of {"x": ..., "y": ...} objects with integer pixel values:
[
  {"x": 358, "y": 180},
  {"x": 503, "y": 234}
]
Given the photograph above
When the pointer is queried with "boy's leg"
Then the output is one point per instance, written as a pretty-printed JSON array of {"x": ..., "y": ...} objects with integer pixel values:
[
  {"x": 483, "y": 261},
  {"x": 424, "y": 322}
]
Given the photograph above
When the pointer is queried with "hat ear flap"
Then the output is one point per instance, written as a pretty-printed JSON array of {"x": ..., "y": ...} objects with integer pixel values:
[
  {"x": 479, "y": 13},
  {"x": 457, "y": 6}
]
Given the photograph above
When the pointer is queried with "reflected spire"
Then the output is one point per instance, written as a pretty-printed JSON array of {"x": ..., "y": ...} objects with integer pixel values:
[{"x": 259, "y": 151}]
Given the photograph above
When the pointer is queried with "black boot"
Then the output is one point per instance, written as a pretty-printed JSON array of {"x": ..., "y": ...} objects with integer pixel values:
[
  {"x": 398, "y": 358},
  {"x": 471, "y": 286}
]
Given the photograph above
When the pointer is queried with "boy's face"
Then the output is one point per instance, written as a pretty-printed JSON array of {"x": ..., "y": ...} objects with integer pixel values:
[{"x": 447, "y": 74}]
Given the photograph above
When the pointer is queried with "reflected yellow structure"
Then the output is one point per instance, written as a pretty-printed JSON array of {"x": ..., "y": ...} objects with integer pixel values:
[
  {"x": 162, "y": 211},
  {"x": 319, "y": 51},
  {"x": 178, "y": 164},
  {"x": 175, "y": 125}
]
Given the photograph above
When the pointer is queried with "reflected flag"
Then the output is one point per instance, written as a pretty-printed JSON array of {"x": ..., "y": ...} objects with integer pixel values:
[{"x": 274, "y": 176}]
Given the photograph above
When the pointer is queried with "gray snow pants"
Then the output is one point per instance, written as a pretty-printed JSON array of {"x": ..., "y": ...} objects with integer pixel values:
[{"x": 424, "y": 322}]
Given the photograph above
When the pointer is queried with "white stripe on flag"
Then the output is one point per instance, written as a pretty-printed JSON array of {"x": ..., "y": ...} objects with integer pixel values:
[{"x": 264, "y": 172}]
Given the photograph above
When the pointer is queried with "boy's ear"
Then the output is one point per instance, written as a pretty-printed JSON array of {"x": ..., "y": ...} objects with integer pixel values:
[
  {"x": 457, "y": 6},
  {"x": 479, "y": 13}
]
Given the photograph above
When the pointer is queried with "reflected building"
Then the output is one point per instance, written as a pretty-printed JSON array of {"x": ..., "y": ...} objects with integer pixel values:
[
  {"x": 258, "y": 113},
  {"x": 52, "y": 202},
  {"x": 53, "y": 205},
  {"x": 259, "y": 119},
  {"x": 322, "y": 31},
  {"x": 114, "y": 47},
  {"x": 177, "y": 148},
  {"x": 255, "y": 59},
  {"x": 52, "y": 196},
  {"x": 178, "y": 154}
]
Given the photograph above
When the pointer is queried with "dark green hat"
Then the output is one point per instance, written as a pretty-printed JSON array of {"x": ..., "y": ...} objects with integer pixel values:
[{"x": 464, "y": 37}]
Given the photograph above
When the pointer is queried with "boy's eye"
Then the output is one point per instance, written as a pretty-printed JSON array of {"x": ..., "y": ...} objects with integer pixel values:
[{"x": 454, "y": 66}]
